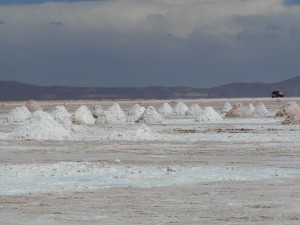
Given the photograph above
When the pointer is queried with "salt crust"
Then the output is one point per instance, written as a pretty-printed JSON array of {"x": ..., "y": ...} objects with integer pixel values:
[
  {"x": 238, "y": 110},
  {"x": 32, "y": 106},
  {"x": 261, "y": 110},
  {"x": 251, "y": 108},
  {"x": 194, "y": 110},
  {"x": 18, "y": 114},
  {"x": 106, "y": 118},
  {"x": 97, "y": 111},
  {"x": 226, "y": 108},
  {"x": 40, "y": 126},
  {"x": 166, "y": 110},
  {"x": 116, "y": 111},
  {"x": 135, "y": 112},
  {"x": 180, "y": 109},
  {"x": 289, "y": 109},
  {"x": 150, "y": 116},
  {"x": 83, "y": 116},
  {"x": 62, "y": 116},
  {"x": 208, "y": 114}
]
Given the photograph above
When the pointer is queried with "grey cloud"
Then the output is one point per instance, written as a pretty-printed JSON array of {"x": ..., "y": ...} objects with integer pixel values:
[
  {"x": 253, "y": 34},
  {"x": 56, "y": 23},
  {"x": 273, "y": 27},
  {"x": 295, "y": 31},
  {"x": 2, "y": 22}
]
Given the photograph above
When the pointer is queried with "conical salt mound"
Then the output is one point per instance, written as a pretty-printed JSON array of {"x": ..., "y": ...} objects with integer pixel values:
[
  {"x": 289, "y": 109},
  {"x": 116, "y": 111},
  {"x": 180, "y": 109},
  {"x": 106, "y": 118},
  {"x": 150, "y": 116},
  {"x": 208, "y": 114},
  {"x": 135, "y": 113},
  {"x": 251, "y": 108},
  {"x": 33, "y": 106},
  {"x": 292, "y": 120},
  {"x": 18, "y": 114},
  {"x": 226, "y": 108},
  {"x": 194, "y": 110},
  {"x": 83, "y": 116},
  {"x": 97, "y": 111},
  {"x": 166, "y": 110},
  {"x": 261, "y": 110},
  {"x": 40, "y": 126},
  {"x": 62, "y": 116},
  {"x": 238, "y": 110}
]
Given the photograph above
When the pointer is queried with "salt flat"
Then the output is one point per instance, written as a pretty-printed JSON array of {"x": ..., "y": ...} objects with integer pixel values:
[{"x": 233, "y": 171}]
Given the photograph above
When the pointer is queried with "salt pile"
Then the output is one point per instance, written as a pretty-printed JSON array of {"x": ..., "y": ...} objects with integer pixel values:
[
  {"x": 18, "y": 114},
  {"x": 292, "y": 120},
  {"x": 180, "y": 109},
  {"x": 238, "y": 110},
  {"x": 142, "y": 133},
  {"x": 261, "y": 110},
  {"x": 135, "y": 113},
  {"x": 208, "y": 114},
  {"x": 289, "y": 109},
  {"x": 106, "y": 118},
  {"x": 97, "y": 111},
  {"x": 194, "y": 110},
  {"x": 251, "y": 108},
  {"x": 150, "y": 116},
  {"x": 116, "y": 111},
  {"x": 83, "y": 116},
  {"x": 40, "y": 126},
  {"x": 33, "y": 106},
  {"x": 62, "y": 116},
  {"x": 166, "y": 110},
  {"x": 226, "y": 108}
]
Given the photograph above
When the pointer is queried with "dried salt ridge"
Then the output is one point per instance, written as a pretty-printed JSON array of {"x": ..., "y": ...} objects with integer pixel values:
[
  {"x": 238, "y": 110},
  {"x": 83, "y": 116},
  {"x": 106, "y": 118},
  {"x": 166, "y": 110},
  {"x": 261, "y": 110},
  {"x": 33, "y": 106},
  {"x": 180, "y": 109},
  {"x": 194, "y": 110},
  {"x": 142, "y": 133},
  {"x": 18, "y": 114},
  {"x": 226, "y": 108},
  {"x": 40, "y": 126},
  {"x": 97, "y": 111},
  {"x": 289, "y": 109},
  {"x": 251, "y": 108},
  {"x": 150, "y": 116},
  {"x": 116, "y": 111},
  {"x": 135, "y": 113},
  {"x": 62, "y": 116},
  {"x": 208, "y": 114}
]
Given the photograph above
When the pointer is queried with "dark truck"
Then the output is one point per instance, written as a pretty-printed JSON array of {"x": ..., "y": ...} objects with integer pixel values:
[{"x": 277, "y": 94}]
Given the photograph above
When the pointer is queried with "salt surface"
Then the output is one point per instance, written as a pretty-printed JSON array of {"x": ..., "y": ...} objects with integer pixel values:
[
  {"x": 150, "y": 116},
  {"x": 62, "y": 116},
  {"x": 83, "y": 116},
  {"x": 135, "y": 113},
  {"x": 180, "y": 109},
  {"x": 238, "y": 110},
  {"x": 194, "y": 110},
  {"x": 18, "y": 114},
  {"x": 40, "y": 126},
  {"x": 166, "y": 110},
  {"x": 208, "y": 114},
  {"x": 116, "y": 111}
]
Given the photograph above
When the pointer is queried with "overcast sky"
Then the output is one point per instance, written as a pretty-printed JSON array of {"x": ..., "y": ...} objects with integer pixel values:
[{"x": 197, "y": 43}]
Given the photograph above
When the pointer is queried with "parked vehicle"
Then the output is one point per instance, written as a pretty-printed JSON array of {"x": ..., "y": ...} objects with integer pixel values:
[{"x": 277, "y": 94}]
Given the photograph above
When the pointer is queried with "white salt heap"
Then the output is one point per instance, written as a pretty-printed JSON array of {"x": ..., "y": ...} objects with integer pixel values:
[
  {"x": 83, "y": 116},
  {"x": 150, "y": 116},
  {"x": 208, "y": 114},
  {"x": 238, "y": 110},
  {"x": 292, "y": 120},
  {"x": 142, "y": 133},
  {"x": 194, "y": 110},
  {"x": 166, "y": 110},
  {"x": 251, "y": 108},
  {"x": 62, "y": 116},
  {"x": 261, "y": 110},
  {"x": 97, "y": 111},
  {"x": 289, "y": 109},
  {"x": 33, "y": 106},
  {"x": 226, "y": 108},
  {"x": 180, "y": 109},
  {"x": 116, "y": 111},
  {"x": 135, "y": 113},
  {"x": 106, "y": 118},
  {"x": 18, "y": 114},
  {"x": 40, "y": 126}
]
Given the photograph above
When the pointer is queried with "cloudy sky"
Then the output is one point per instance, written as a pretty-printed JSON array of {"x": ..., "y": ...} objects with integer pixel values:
[{"x": 197, "y": 43}]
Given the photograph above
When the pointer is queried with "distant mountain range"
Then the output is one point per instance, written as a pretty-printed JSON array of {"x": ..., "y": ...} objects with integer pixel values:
[{"x": 13, "y": 91}]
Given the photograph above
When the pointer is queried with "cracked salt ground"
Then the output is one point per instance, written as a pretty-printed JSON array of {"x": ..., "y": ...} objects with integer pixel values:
[{"x": 84, "y": 176}]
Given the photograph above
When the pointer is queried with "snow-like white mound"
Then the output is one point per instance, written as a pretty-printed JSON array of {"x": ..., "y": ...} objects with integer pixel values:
[
  {"x": 289, "y": 109},
  {"x": 180, "y": 109},
  {"x": 226, "y": 108},
  {"x": 62, "y": 116},
  {"x": 97, "y": 111},
  {"x": 142, "y": 133},
  {"x": 116, "y": 111},
  {"x": 194, "y": 110},
  {"x": 292, "y": 120},
  {"x": 261, "y": 110},
  {"x": 106, "y": 118},
  {"x": 150, "y": 116},
  {"x": 18, "y": 114},
  {"x": 40, "y": 126},
  {"x": 251, "y": 108},
  {"x": 166, "y": 110},
  {"x": 83, "y": 116},
  {"x": 208, "y": 114},
  {"x": 135, "y": 113},
  {"x": 238, "y": 110},
  {"x": 32, "y": 106}
]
